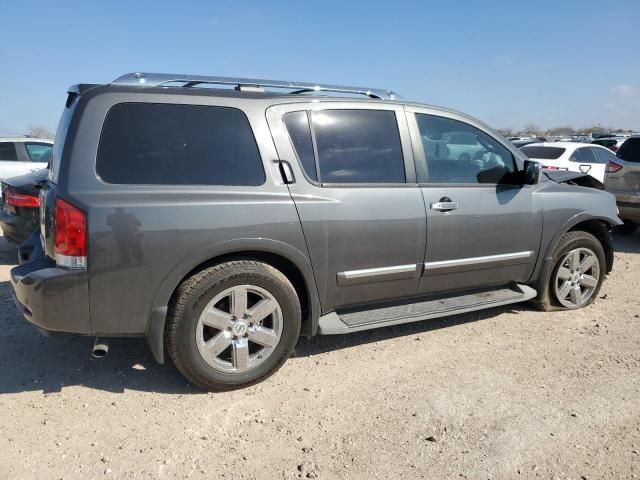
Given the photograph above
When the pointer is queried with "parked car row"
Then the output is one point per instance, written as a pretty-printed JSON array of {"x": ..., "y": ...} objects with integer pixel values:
[{"x": 619, "y": 172}]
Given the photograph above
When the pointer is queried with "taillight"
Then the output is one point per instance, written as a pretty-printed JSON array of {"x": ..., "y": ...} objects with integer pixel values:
[
  {"x": 70, "y": 235},
  {"x": 20, "y": 200},
  {"x": 612, "y": 167}
]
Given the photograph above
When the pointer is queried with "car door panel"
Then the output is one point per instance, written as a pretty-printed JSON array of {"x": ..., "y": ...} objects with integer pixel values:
[
  {"x": 366, "y": 241},
  {"x": 492, "y": 236}
]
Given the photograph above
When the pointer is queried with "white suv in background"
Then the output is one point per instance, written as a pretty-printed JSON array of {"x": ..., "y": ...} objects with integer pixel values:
[
  {"x": 20, "y": 155},
  {"x": 572, "y": 156}
]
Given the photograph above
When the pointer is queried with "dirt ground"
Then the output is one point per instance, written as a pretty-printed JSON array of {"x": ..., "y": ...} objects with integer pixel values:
[{"x": 504, "y": 393}]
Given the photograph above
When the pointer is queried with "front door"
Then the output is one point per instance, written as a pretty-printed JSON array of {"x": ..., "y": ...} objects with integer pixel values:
[
  {"x": 354, "y": 187},
  {"x": 483, "y": 228}
]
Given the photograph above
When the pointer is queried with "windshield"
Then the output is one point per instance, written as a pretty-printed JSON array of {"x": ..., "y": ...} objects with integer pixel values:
[{"x": 543, "y": 153}]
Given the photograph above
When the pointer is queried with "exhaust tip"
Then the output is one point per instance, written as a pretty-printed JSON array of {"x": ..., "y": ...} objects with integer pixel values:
[{"x": 100, "y": 348}]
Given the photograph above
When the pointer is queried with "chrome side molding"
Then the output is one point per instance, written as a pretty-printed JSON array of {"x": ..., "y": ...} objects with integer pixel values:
[
  {"x": 381, "y": 274},
  {"x": 514, "y": 258}
]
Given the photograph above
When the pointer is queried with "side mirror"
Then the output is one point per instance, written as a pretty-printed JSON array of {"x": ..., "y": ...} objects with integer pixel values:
[{"x": 530, "y": 172}]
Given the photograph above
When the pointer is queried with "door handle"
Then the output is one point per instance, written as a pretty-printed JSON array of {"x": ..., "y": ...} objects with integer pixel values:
[
  {"x": 444, "y": 206},
  {"x": 286, "y": 172}
]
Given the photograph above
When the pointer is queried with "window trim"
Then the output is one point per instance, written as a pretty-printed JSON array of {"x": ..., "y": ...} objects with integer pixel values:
[
  {"x": 180, "y": 185},
  {"x": 421, "y": 158},
  {"x": 275, "y": 118}
]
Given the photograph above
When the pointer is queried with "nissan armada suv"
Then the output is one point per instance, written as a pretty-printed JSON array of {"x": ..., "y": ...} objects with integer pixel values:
[{"x": 224, "y": 218}]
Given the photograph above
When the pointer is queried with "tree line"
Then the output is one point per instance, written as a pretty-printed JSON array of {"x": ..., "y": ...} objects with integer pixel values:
[{"x": 533, "y": 129}]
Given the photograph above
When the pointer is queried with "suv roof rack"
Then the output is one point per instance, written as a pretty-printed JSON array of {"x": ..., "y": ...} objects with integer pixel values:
[{"x": 244, "y": 84}]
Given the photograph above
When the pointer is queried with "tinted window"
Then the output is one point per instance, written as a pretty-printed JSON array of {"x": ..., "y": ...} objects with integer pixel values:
[
  {"x": 543, "y": 153},
  {"x": 163, "y": 144},
  {"x": 583, "y": 155},
  {"x": 630, "y": 150},
  {"x": 604, "y": 155},
  {"x": 456, "y": 152},
  {"x": 8, "y": 151},
  {"x": 39, "y": 152},
  {"x": 358, "y": 146},
  {"x": 606, "y": 143},
  {"x": 61, "y": 138},
  {"x": 298, "y": 126}
]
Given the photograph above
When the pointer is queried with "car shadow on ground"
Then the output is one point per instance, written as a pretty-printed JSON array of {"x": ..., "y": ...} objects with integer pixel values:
[
  {"x": 627, "y": 243},
  {"x": 31, "y": 362}
]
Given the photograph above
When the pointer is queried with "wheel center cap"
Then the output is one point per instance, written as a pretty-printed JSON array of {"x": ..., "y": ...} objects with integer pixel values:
[
  {"x": 240, "y": 328},
  {"x": 576, "y": 277}
]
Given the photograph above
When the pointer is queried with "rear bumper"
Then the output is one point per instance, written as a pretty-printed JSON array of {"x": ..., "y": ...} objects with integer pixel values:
[{"x": 53, "y": 299}]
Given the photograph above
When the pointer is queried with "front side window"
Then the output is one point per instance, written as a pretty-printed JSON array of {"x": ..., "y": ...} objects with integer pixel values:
[
  {"x": 8, "y": 152},
  {"x": 167, "y": 144},
  {"x": 39, "y": 152},
  {"x": 457, "y": 152},
  {"x": 358, "y": 146}
]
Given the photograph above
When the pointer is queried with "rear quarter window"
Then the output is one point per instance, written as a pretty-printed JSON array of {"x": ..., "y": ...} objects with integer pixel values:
[
  {"x": 630, "y": 150},
  {"x": 543, "y": 153},
  {"x": 168, "y": 144}
]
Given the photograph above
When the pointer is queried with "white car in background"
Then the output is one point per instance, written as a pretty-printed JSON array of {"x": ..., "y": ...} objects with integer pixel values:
[
  {"x": 572, "y": 156},
  {"x": 21, "y": 155}
]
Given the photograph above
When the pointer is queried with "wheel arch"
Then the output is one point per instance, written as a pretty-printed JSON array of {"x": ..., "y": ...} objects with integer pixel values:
[
  {"x": 600, "y": 227},
  {"x": 289, "y": 260}
]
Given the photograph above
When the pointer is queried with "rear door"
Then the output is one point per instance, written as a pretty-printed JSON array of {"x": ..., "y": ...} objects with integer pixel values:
[
  {"x": 584, "y": 160},
  {"x": 354, "y": 187},
  {"x": 483, "y": 228}
]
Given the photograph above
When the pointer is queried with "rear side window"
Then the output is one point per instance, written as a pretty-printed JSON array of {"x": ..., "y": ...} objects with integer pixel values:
[
  {"x": 166, "y": 144},
  {"x": 300, "y": 133},
  {"x": 39, "y": 152},
  {"x": 543, "y": 153},
  {"x": 604, "y": 155},
  {"x": 8, "y": 152},
  {"x": 630, "y": 150},
  {"x": 583, "y": 155},
  {"x": 358, "y": 146}
]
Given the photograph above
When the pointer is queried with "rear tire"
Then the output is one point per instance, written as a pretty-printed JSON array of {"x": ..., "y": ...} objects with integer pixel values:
[
  {"x": 233, "y": 324},
  {"x": 629, "y": 228},
  {"x": 577, "y": 273}
]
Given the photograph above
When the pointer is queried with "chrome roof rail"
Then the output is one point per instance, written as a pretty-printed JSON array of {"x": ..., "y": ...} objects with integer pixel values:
[{"x": 244, "y": 84}]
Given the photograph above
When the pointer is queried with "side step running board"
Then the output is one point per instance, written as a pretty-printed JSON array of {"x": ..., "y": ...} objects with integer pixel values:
[{"x": 352, "y": 320}]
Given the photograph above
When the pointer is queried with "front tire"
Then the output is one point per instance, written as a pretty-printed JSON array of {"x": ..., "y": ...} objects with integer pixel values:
[
  {"x": 233, "y": 324},
  {"x": 579, "y": 266}
]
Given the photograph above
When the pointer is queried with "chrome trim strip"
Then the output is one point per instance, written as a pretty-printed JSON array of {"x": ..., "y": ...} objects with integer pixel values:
[
  {"x": 371, "y": 272},
  {"x": 477, "y": 260},
  {"x": 380, "y": 274}
]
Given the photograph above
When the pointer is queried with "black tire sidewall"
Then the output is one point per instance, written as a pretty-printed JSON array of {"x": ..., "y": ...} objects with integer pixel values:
[
  {"x": 580, "y": 240},
  {"x": 198, "y": 299}
]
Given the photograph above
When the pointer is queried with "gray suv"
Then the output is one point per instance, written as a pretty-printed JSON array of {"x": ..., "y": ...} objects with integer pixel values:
[{"x": 223, "y": 223}]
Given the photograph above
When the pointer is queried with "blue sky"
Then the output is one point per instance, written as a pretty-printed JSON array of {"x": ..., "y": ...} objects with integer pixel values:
[{"x": 506, "y": 62}]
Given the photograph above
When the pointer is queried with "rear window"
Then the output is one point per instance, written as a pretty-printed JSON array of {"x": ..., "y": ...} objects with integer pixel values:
[
  {"x": 630, "y": 150},
  {"x": 8, "y": 151},
  {"x": 543, "y": 153},
  {"x": 167, "y": 144},
  {"x": 39, "y": 152}
]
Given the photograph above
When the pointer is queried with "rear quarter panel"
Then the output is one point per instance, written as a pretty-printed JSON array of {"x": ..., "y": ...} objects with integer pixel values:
[{"x": 171, "y": 229}]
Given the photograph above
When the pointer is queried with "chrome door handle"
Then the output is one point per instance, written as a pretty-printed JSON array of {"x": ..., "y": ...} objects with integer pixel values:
[{"x": 444, "y": 206}]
